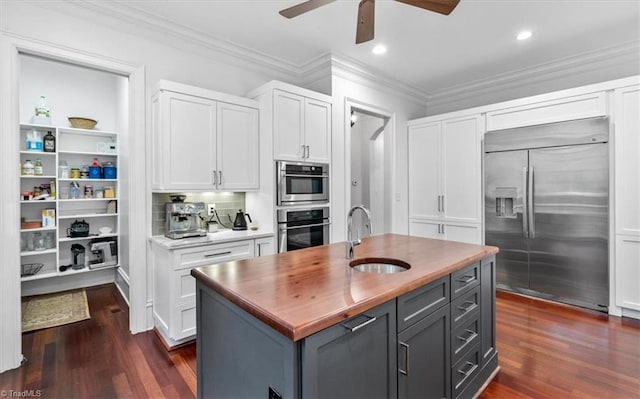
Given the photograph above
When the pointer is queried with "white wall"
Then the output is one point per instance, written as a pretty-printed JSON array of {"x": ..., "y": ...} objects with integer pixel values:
[{"x": 351, "y": 87}]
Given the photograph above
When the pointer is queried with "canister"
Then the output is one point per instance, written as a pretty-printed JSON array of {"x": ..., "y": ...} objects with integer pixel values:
[
  {"x": 74, "y": 173},
  {"x": 99, "y": 192},
  {"x": 109, "y": 170},
  {"x": 109, "y": 192},
  {"x": 95, "y": 172}
]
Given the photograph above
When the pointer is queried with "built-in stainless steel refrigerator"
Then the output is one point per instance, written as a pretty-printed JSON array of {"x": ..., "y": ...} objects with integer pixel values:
[{"x": 546, "y": 208}]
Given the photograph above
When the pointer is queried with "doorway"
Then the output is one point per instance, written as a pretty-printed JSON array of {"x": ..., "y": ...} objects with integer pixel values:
[{"x": 368, "y": 185}]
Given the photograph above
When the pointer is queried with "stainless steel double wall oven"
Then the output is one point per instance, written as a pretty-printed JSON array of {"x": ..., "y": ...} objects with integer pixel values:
[{"x": 302, "y": 199}]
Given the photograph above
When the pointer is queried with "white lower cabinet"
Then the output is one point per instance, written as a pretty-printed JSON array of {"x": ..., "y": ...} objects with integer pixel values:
[
  {"x": 265, "y": 246},
  {"x": 464, "y": 232},
  {"x": 174, "y": 291},
  {"x": 628, "y": 272}
]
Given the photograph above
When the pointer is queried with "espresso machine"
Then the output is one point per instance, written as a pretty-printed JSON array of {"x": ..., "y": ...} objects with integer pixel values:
[
  {"x": 103, "y": 253},
  {"x": 184, "y": 219}
]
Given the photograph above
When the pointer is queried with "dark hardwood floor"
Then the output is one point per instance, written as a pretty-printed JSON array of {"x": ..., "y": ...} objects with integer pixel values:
[{"x": 546, "y": 350}]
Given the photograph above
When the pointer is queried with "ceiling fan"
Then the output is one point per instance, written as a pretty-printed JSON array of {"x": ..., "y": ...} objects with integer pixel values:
[{"x": 366, "y": 12}]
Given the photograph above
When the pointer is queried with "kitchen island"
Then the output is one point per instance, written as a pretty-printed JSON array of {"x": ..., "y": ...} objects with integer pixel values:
[{"x": 305, "y": 324}]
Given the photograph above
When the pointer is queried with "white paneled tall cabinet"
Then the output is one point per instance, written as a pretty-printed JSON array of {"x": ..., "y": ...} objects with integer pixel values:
[
  {"x": 627, "y": 197},
  {"x": 445, "y": 178}
]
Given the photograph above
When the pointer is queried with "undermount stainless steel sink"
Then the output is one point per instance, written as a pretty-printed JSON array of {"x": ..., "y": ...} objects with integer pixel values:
[{"x": 379, "y": 265}]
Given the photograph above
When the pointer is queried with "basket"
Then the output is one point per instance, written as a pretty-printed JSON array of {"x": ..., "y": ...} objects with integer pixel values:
[
  {"x": 30, "y": 269},
  {"x": 82, "y": 123}
]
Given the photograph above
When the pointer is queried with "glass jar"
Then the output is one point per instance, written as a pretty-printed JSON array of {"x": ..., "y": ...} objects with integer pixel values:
[{"x": 38, "y": 242}]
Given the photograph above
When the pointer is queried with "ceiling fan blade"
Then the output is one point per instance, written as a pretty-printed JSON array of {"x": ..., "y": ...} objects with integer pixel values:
[
  {"x": 303, "y": 7},
  {"x": 440, "y": 6},
  {"x": 366, "y": 19}
]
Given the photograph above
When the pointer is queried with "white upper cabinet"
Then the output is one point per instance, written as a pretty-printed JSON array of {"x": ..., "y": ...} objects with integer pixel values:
[
  {"x": 189, "y": 127},
  {"x": 445, "y": 169},
  {"x": 203, "y": 140},
  {"x": 238, "y": 156},
  {"x": 627, "y": 159},
  {"x": 317, "y": 130},
  {"x": 302, "y": 128}
]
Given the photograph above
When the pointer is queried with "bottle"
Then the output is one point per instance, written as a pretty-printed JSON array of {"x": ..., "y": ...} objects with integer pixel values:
[
  {"x": 43, "y": 113},
  {"x": 49, "y": 142},
  {"x": 37, "y": 168},
  {"x": 34, "y": 141},
  {"x": 28, "y": 168}
]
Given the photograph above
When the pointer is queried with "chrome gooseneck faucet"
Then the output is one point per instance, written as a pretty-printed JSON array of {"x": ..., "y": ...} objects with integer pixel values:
[{"x": 350, "y": 241}]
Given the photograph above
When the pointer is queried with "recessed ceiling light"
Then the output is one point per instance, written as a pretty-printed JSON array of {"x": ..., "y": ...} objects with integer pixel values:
[
  {"x": 524, "y": 35},
  {"x": 379, "y": 49}
]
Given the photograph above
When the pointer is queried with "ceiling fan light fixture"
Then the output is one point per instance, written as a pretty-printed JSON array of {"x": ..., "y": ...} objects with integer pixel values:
[
  {"x": 379, "y": 49},
  {"x": 524, "y": 35}
]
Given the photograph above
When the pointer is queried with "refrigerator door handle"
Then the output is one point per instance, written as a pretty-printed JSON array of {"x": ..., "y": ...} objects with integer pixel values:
[
  {"x": 532, "y": 223},
  {"x": 525, "y": 204}
]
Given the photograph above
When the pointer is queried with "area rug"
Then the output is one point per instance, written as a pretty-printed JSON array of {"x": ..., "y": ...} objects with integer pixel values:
[{"x": 51, "y": 310}]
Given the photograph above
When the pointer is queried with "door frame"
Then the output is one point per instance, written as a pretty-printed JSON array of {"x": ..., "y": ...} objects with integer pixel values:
[
  {"x": 139, "y": 194},
  {"x": 390, "y": 168}
]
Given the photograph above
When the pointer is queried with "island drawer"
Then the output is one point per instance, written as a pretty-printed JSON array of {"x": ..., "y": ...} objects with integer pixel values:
[
  {"x": 465, "y": 337},
  {"x": 464, "y": 371},
  {"x": 212, "y": 254},
  {"x": 465, "y": 307},
  {"x": 465, "y": 279},
  {"x": 420, "y": 303}
]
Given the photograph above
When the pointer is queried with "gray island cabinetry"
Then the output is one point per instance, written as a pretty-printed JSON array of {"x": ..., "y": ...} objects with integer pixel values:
[{"x": 348, "y": 334}]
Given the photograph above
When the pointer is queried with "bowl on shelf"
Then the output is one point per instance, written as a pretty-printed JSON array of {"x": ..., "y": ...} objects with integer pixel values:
[
  {"x": 105, "y": 230},
  {"x": 30, "y": 269},
  {"x": 82, "y": 123}
]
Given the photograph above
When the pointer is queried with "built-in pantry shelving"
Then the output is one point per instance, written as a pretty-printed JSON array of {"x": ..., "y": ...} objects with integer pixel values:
[{"x": 95, "y": 202}]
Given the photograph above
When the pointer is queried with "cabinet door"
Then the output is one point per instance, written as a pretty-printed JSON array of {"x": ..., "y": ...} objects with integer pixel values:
[
  {"x": 265, "y": 246},
  {"x": 424, "y": 171},
  {"x": 461, "y": 177},
  {"x": 628, "y": 272},
  {"x": 425, "y": 228},
  {"x": 238, "y": 148},
  {"x": 627, "y": 162},
  {"x": 183, "y": 319},
  {"x": 353, "y": 359},
  {"x": 189, "y": 130},
  {"x": 424, "y": 360},
  {"x": 469, "y": 233},
  {"x": 288, "y": 125},
  {"x": 317, "y": 130}
]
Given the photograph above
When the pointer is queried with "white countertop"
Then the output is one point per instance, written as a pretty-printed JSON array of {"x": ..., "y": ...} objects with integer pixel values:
[{"x": 220, "y": 236}]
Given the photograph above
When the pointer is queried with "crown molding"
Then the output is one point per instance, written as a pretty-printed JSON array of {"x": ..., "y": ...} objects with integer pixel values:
[
  {"x": 352, "y": 70},
  {"x": 626, "y": 54},
  {"x": 139, "y": 18}
]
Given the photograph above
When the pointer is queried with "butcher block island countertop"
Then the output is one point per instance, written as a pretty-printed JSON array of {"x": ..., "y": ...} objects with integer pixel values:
[{"x": 302, "y": 292}]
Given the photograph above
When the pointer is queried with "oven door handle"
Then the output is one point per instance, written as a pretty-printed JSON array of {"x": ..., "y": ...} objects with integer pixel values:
[
  {"x": 324, "y": 175},
  {"x": 305, "y": 226}
]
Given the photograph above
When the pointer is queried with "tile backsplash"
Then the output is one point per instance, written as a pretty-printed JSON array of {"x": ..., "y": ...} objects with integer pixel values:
[{"x": 227, "y": 204}]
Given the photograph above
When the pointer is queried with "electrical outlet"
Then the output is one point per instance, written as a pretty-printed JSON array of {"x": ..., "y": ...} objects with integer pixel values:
[{"x": 210, "y": 209}]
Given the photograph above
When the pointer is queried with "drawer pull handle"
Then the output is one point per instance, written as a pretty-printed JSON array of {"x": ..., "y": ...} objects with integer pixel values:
[
  {"x": 406, "y": 359},
  {"x": 359, "y": 326},
  {"x": 466, "y": 279},
  {"x": 467, "y": 373},
  {"x": 471, "y": 305},
  {"x": 218, "y": 254},
  {"x": 471, "y": 337}
]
